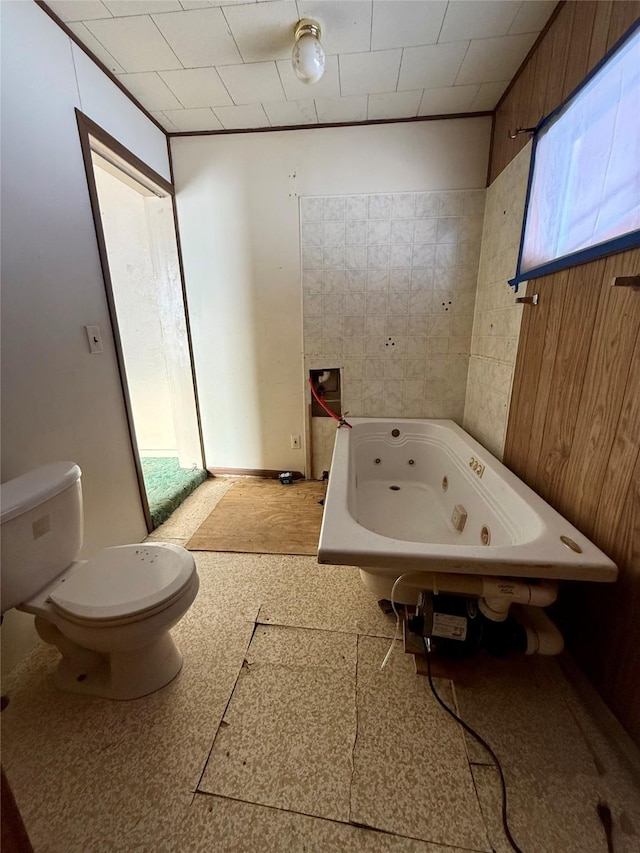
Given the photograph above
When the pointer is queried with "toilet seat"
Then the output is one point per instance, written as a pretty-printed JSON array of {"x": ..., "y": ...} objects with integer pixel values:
[{"x": 123, "y": 584}]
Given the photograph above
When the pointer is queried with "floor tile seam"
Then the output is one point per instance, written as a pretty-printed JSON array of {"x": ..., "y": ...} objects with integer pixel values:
[
  {"x": 355, "y": 633},
  {"x": 199, "y": 792},
  {"x": 256, "y": 665},
  {"x": 466, "y": 753},
  {"x": 226, "y": 707},
  {"x": 357, "y": 730},
  {"x": 479, "y": 801}
]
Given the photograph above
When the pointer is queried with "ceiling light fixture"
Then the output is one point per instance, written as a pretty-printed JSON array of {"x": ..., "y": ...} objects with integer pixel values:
[{"x": 308, "y": 57}]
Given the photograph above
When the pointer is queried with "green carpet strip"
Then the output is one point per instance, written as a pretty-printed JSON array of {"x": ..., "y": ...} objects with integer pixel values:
[{"x": 167, "y": 485}]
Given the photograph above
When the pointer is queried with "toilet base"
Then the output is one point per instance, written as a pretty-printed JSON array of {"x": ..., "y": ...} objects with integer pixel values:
[{"x": 122, "y": 674}]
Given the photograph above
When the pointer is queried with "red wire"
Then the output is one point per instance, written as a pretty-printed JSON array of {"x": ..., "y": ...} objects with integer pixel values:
[{"x": 326, "y": 408}]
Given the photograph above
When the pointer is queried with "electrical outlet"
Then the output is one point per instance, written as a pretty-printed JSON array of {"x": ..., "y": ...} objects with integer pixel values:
[{"x": 295, "y": 442}]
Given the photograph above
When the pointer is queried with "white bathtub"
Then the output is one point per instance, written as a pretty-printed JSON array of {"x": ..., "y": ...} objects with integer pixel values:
[{"x": 390, "y": 500}]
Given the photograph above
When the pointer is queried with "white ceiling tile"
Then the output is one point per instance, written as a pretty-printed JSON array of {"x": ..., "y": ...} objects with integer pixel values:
[
  {"x": 488, "y": 95},
  {"x": 394, "y": 105},
  {"x": 135, "y": 43},
  {"x": 186, "y": 120},
  {"x": 532, "y": 16},
  {"x": 199, "y": 38},
  {"x": 448, "y": 99},
  {"x": 79, "y": 10},
  {"x": 332, "y": 110},
  {"x": 490, "y": 60},
  {"x": 405, "y": 23},
  {"x": 164, "y": 121},
  {"x": 369, "y": 73},
  {"x": 346, "y": 26},
  {"x": 257, "y": 82},
  {"x": 328, "y": 86},
  {"x": 197, "y": 87},
  {"x": 240, "y": 118},
  {"x": 92, "y": 43},
  {"x": 477, "y": 19},
  {"x": 123, "y": 8},
  {"x": 432, "y": 66},
  {"x": 291, "y": 112},
  {"x": 150, "y": 90},
  {"x": 263, "y": 31}
]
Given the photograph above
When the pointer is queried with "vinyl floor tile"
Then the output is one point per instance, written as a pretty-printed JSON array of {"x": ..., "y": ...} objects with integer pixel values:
[
  {"x": 411, "y": 774},
  {"x": 287, "y": 735},
  {"x": 296, "y": 591},
  {"x": 553, "y": 783},
  {"x": 87, "y": 771},
  {"x": 228, "y": 826}
]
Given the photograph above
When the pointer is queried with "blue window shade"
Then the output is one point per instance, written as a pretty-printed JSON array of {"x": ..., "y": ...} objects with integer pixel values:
[{"x": 583, "y": 199}]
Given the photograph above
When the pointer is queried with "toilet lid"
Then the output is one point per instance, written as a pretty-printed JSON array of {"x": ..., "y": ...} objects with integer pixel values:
[{"x": 123, "y": 581}]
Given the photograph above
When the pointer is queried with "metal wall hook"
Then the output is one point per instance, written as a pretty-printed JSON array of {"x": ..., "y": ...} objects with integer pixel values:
[{"x": 517, "y": 131}]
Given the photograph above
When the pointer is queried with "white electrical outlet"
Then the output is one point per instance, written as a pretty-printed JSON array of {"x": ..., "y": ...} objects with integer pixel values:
[{"x": 295, "y": 442}]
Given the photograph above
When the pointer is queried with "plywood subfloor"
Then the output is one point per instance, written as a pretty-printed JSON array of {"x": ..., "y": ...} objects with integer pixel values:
[{"x": 264, "y": 517}]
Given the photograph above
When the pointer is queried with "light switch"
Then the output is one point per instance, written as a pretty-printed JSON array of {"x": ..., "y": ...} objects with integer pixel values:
[{"x": 95, "y": 338}]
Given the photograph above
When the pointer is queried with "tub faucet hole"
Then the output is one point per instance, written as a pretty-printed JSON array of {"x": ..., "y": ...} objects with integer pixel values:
[
  {"x": 395, "y": 433},
  {"x": 377, "y": 461},
  {"x": 485, "y": 535},
  {"x": 395, "y": 488},
  {"x": 412, "y": 462}
]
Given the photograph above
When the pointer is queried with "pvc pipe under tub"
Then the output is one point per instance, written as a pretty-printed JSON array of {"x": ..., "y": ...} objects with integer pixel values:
[{"x": 543, "y": 638}]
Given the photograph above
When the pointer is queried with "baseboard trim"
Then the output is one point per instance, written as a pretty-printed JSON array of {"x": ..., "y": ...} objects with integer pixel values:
[{"x": 266, "y": 473}]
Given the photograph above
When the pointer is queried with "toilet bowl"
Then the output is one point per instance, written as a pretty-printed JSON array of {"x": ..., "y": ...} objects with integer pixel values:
[{"x": 109, "y": 616}]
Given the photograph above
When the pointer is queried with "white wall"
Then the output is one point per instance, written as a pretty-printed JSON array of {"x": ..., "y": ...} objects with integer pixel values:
[
  {"x": 237, "y": 199},
  {"x": 58, "y": 401}
]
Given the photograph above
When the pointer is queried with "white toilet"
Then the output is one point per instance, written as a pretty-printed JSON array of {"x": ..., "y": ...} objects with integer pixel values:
[{"x": 109, "y": 616}]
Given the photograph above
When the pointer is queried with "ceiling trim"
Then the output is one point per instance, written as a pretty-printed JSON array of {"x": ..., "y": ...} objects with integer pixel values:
[
  {"x": 74, "y": 38},
  {"x": 442, "y": 117}
]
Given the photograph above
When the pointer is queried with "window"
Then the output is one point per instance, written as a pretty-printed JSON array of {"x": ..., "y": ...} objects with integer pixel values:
[{"x": 584, "y": 185}]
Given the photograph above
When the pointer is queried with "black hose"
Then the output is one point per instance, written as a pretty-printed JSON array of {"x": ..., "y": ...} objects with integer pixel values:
[{"x": 482, "y": 743}]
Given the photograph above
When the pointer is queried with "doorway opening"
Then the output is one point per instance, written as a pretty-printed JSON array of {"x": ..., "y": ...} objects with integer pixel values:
[{"x": 135, "y": 224}]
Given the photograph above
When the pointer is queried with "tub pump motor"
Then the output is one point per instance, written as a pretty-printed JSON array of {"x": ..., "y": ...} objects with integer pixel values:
[{"x": 457, "y": 627}]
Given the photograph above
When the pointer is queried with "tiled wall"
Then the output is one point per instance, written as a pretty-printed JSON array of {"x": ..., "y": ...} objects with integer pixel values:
[
  {"x": 497, "y": 318},
  {"x": 389, "y": 285}
]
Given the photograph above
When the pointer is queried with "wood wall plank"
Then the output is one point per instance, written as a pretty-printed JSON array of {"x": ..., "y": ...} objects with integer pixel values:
[
  {"x": 580, "y": 305},
  {"x": 600, "y": 34},
  {"x": 605, "y": 381},
  {"x": 561, "y": 36},
  {"x": 552, "y": 296},
  {"x": 580, "y": 46},
  {"x": 623, "y": 15},
  {"x": 620, "y": 465}
]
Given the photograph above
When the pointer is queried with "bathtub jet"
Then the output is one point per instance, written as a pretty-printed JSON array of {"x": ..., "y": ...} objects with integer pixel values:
[{"x": 420, "y": 505}]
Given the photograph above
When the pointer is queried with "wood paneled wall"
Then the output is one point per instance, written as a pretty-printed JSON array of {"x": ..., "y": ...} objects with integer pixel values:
[
  {"x": 574, "y": 436},
  {"x": 573, "y": 432}
]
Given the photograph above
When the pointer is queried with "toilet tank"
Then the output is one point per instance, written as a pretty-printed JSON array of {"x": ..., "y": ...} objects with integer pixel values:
[{"x": 41, "y": 529}]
